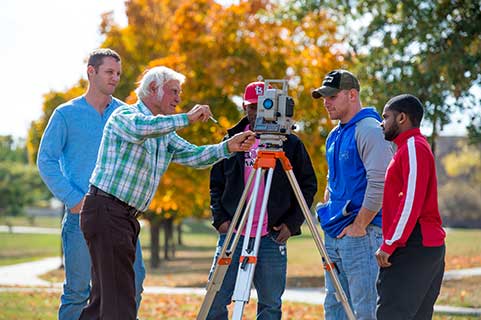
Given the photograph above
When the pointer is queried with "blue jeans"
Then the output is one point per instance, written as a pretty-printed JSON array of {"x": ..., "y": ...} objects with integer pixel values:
[
  {"x": 76, "y": 287},
  {"x": 357, "y": 272},
  {"x": 269, "y": 279}
]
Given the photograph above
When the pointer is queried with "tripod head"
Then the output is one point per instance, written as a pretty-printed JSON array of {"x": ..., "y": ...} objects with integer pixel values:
[{"x": 271, "y": 142}]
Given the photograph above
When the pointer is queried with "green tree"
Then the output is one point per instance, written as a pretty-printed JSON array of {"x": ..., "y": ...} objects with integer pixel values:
[
  {"x": 465, "y": 164},
  {"x": 474, "y": 131},
  {"x": 459, "y": 198},
  {"x": 427, "y": 48},
  {"x": 20, "y": 185},
  {"x": 12, "y": 149}
]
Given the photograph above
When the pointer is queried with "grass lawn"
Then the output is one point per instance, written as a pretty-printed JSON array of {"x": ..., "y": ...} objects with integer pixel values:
[
  {"x": 463, "y": 248},
  {"x": 39, "y": 305},
  {"x": 194, "y": 258},
  {"x": 18, "y": 248},
  {"x": 44, "y": 222},
  {"x": 462, "y": 293}
]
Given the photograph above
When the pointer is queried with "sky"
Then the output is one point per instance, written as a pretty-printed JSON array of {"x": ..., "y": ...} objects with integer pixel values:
[{"x": 43, "y": 47}]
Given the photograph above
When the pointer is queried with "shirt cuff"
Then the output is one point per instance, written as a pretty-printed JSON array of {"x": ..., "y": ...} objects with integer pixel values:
[
  {"x": 225, "y": 150},
  {"x": 388, "y": 249},
  {"x": 181, "y": 120}
]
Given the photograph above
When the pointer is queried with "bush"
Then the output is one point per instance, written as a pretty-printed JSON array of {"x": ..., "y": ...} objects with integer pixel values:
[
  {"x": 20, "y": 185},
  {"x": 460, "y": 204}
]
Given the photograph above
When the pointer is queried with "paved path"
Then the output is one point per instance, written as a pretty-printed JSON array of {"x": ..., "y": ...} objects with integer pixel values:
[
  {"x": 16, "y": 229},
  {"x": 26, "y": 276}
]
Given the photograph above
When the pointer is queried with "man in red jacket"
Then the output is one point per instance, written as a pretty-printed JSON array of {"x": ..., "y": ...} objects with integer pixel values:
[{"x": 411, "y": 257}]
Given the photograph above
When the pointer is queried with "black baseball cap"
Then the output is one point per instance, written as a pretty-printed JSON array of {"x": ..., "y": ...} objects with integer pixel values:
[{"x": 334, "y": 82}]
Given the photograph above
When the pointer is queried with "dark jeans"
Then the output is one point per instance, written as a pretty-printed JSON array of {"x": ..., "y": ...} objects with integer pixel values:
[
  {"x": 409, "y": 288},
  {"x": 111, "y": 233}
]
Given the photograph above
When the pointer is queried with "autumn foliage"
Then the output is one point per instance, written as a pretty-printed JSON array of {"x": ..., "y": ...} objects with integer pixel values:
[{"x": 220, "y": 49}]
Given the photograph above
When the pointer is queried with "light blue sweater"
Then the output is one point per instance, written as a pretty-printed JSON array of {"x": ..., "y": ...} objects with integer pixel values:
[{"x": 69, "y": 146}]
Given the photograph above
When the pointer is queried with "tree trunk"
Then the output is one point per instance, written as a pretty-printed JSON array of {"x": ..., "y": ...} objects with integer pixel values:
[
  {"x": 172, "y": 241},
  {"x": 179, "y": 233},
  {"x": 434, "y": 135},
  {"x": 169, "y": 244},
  {"x": 166, "y": 239},
  {"x": 154, "y": 243}
]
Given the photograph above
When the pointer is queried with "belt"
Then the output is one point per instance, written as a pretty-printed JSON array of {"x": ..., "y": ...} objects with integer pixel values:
[{"x": 131, "y": 210}]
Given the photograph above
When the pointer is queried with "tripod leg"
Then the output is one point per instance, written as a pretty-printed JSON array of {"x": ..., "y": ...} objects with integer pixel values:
[
  {"x": 328, "y": 265},
  {"x": 223, "y": 261},
  {"x": 250, "y": 251}
]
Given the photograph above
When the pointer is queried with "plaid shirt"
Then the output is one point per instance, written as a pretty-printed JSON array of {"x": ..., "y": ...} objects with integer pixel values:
[{"x": 136, "y": 149}]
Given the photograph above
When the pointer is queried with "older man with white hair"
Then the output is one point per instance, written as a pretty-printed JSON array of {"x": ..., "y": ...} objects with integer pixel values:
[{"x": 138, "y": 144}]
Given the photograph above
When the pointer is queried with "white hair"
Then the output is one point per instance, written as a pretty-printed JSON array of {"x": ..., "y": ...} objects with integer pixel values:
[{"x": 159, "y": 75}]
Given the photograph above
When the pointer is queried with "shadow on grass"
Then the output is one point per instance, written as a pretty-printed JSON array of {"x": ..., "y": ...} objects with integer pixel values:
[
  {"x": 185, "y": 248},
  {"x": 197, "y": 226},
  {"x": 177, "y": 265},
  {"x": 181, "y": 265},
  {"x": 305, "y": 282}
]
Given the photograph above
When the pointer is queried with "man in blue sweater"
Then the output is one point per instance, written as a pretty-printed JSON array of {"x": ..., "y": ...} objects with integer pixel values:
[
  {"x": 66, "y": 158},
  {"x": 357, "y": 157}
]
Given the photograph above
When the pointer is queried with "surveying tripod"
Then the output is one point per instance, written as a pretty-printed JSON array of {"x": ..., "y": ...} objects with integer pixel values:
[{"x": 269, "y": 152}]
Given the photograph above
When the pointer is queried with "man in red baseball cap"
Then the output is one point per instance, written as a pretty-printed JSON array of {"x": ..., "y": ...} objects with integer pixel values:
[
  {"x": 283, "y": 216},
  {"x": 251, "y": 95}
]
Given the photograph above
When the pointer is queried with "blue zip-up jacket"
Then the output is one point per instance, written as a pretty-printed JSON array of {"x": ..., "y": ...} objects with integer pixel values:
[
  {"x": 357, "y": 157},
  {"x": 69, "y": 146}
]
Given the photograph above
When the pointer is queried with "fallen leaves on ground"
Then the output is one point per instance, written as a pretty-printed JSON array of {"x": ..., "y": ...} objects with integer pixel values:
[
  {"x": 462, "y": 292},
  {"x": 176, "y": 307},
  {"x": 462, "y": 262}
]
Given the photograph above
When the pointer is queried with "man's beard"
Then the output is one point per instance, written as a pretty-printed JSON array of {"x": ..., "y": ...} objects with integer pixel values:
[{"x": 392, "y": 133}]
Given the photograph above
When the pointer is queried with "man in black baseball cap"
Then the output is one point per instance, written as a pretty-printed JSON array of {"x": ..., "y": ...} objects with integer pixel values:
[
  {"x": 357, "y": 157},
  {"x": 334, "y": 82}
]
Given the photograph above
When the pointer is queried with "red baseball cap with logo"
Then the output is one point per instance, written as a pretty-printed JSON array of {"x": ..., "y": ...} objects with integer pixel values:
[{"x": 253, "y": 91}]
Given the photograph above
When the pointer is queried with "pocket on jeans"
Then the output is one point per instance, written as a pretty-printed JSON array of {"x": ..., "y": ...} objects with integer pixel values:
[
  {"x": 357, "y": 242},
  {"x": 375, "y": 236},
  {"x": 273, "y": 235},
  {"x": 122, "y": 230}
]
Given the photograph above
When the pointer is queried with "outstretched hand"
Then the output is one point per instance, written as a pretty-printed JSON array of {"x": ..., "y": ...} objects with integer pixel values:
[
  {"x": 241, "y": 142},
  {"x": 200, "y": 112}
]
